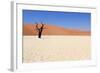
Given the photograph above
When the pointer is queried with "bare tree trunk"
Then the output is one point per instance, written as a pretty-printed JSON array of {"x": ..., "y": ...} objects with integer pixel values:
[{"x": 39, "y": 35}]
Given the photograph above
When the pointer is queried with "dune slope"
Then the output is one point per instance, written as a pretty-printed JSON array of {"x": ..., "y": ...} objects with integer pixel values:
[{"x": 30, "y": 29}]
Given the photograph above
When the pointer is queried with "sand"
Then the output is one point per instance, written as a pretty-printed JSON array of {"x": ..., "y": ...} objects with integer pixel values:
[
  {"x": 30, "y": 30},
  {"x": 56, "y": 48}
]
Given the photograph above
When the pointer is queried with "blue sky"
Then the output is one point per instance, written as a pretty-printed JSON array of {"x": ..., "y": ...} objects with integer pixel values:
[{"x": 71, "y": 20}]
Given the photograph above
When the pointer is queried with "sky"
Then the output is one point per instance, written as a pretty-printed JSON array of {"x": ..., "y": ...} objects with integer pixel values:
[{"x": 71, "y": 20}]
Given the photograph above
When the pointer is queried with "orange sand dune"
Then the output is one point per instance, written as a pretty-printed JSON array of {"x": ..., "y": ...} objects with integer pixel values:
[{"x": 30, "y": 29}]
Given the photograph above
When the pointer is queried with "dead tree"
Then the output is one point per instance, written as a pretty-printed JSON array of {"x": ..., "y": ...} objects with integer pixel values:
[{"x": 40, "y": 29}]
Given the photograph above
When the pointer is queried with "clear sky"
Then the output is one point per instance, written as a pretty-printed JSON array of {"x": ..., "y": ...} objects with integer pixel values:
[{"x": 73, "y": 20}]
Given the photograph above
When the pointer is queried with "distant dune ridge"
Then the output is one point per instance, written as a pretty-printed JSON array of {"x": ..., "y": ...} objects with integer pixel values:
[{"x": 30, "y": 29}]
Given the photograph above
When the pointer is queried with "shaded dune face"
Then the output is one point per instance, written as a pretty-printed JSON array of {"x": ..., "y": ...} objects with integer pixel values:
[{"x": 30, "y": 29}]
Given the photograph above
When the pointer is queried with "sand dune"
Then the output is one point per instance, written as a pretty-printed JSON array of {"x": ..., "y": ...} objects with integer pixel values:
[{"x": 30, "y": 29}]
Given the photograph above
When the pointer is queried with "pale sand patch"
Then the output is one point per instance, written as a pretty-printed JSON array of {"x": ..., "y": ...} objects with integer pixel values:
[{"x": 56, "y": 48}]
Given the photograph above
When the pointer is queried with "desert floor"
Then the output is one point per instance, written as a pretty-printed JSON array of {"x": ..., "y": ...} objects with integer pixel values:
[{"x": 56, "y": 48}]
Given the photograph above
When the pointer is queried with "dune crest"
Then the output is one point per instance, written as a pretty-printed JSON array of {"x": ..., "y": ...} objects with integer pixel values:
[{"x": 30, "y": 29}]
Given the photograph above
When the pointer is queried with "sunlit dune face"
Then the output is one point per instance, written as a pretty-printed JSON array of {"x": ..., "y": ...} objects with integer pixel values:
[{"x": 30, "y": 29}]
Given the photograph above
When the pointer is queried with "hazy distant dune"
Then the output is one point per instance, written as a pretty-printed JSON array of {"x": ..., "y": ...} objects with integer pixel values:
[{"x": 30, "y": 29}]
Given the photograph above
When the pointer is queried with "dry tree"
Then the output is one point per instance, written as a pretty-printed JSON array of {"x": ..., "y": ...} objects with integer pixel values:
[{"x": 39, "y": 28}]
